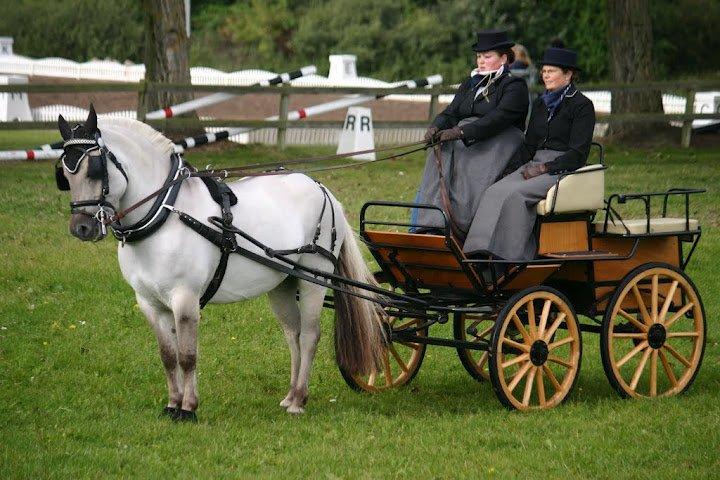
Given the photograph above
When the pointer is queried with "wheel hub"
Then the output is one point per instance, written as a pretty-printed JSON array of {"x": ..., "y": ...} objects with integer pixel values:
[
  {"x": 539, "y": 353},
  {"x": 657, "y": 336}
]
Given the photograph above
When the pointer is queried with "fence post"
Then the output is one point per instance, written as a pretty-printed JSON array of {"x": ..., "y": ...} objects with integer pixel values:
[
  {"x": 432, "y": 111},
  {"x": 687, "y": 124},
  {"x": 283, "y": 115},
  {"x": 141, "y": 110}
]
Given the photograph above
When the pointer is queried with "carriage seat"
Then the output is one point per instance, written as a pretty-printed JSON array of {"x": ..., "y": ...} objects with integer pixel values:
[
  {"x": 639, "y": 226},
  {"x": 579, "y": 192}
]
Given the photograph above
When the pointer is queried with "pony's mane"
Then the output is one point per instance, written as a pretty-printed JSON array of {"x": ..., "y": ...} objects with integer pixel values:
[{"x": 151, "y": 135}]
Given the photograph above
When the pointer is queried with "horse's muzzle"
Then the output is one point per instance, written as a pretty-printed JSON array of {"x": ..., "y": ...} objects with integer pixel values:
[{"x": 85, "y": 227}]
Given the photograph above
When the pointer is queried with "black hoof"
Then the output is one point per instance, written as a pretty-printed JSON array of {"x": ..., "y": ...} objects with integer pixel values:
[
  {"x": 169, "y": 412},
  {"x": 185, "y": 416}
]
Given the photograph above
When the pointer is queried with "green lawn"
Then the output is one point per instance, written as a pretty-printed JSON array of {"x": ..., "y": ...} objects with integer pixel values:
[{"x": 81, "y": 383}]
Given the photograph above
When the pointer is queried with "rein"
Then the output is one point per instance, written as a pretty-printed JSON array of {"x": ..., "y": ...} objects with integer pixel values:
[
  {"x": 444, "y": 195},
  {"x": 242, "y": 172}
]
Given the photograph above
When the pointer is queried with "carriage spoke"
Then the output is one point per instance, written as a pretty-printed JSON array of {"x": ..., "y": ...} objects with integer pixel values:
[
  {"x": 641, "y": 305},
  {"x": 668, "y": 368},
  {"x": 682, "y": 334},
  {"x": 540, "y": 385},
  {"x": 408, "y": 324},
  {"x": 519, "y": 376},
  {"x": 653, "y": 373},
  {"x": 518, "y": 324},
  {"x": 633, "y": 320},
  {"x": 483, "y": 360},
  {"x": 528, "y": 386},
  {"x": 371, "y": 379},
  {"x": 654, "y": 299},
  {"x": 632, "y": 353},
  {"x": 386, "y": 369},
  {"x": 559, "y": 361},
  {"x": 677, "y": 355},
  {"x": 551, "y": 376},
  {"x": 514, "y": 344},
  {"x": 630, "y": 335},
  {"x": 640, "y": 368},
  {"x": 485, "y": 332},
  {"x": 531, "y": 319},
  {"x": 555, "y": 325},
  {"x": 544, "y": 317},
  {"x": 559, "y": 343},
  {"x": 668, "y": 301},
  {"x": 414, "y": 346},
  {"x": 678, "y": 314},
  {"x": 519, "y": 359},
  {"x": 398, "y": 359}
]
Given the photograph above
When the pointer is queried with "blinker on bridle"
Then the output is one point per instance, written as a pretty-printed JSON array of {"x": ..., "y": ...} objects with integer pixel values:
[{"x": 97, "y": 170}]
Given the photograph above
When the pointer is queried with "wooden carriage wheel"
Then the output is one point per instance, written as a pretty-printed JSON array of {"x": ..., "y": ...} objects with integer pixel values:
[
  {"x": 535, "y": 350},
  {"x": 653, "y": 334},
  {"x": 401, "y": 362},
  {"x": 474, "y": 328}
]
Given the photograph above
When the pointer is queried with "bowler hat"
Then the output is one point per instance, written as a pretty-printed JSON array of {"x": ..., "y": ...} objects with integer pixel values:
[
  {"x": 560, "y": 57},
  {"x": 492, "y": 40}
]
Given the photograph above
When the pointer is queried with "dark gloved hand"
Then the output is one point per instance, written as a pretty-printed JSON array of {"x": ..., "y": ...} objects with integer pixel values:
[
  {"x": 451, "y": 134},
  {"x": 430, "y": 133},
  {"x": 533, "y": 170}
]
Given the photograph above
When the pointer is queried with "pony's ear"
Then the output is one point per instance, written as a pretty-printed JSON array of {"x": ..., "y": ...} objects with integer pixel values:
[
  {"x": 91, "y": 122},
  {"x": 64, "y": 128}
]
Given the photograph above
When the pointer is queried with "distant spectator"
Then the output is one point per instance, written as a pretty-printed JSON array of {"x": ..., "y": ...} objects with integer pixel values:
[{"x": 522, "y": 58}]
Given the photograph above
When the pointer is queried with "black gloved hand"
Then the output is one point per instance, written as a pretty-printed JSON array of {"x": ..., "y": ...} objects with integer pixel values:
[
  {"x": 451, "y": 134},
  {"x": 533, "y": 170},
  {"x": 430, "y": 133}
]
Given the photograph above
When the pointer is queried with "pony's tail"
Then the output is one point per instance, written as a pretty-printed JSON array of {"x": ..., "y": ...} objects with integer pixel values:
[{"x": 359, "y": 333}]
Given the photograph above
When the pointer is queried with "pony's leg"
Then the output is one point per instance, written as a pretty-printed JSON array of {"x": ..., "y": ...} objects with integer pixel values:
[
  {"x": 311, "y": 303},
  {"x": 186, "y": 310},
  {"x": 163, "y": 324},
  {"x": 285, "y": 306}
]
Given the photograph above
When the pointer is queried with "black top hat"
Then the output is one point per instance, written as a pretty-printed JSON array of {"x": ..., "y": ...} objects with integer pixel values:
[
  {"x": 492, "y": 40},
  {"x": 560, "y": 57}
]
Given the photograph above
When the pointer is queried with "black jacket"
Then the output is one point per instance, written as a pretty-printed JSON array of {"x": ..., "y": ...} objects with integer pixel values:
[
  {"x": 570, "y": 130},
  {"x": 506, "y": 104}
]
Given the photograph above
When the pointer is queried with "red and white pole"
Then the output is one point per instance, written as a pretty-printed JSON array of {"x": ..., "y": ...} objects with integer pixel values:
[{"x": 208, "y": 100}]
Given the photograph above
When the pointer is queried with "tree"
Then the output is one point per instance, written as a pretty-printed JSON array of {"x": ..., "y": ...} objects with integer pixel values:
[
  {"x": 630, "y": 39},
  {"x": 167, "y": 51}
]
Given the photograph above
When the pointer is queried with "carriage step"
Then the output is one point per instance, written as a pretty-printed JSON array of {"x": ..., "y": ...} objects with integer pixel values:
[{"x": 583, "y": 255}]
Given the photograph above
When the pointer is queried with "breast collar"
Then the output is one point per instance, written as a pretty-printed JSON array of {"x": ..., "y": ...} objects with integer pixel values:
[{"x": 159, "y": 211}]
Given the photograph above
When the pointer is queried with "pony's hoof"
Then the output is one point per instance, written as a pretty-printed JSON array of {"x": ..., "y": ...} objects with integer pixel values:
[
  {"x": 285, "y": 403},
  {"x": 185, "y": 416},
  {"x": 295, "y": 410},
  {"x": 169, "y": 412}
]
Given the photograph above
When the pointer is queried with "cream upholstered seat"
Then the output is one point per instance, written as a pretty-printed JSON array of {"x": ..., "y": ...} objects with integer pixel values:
[
  {"x": 639, "y": 226},
  {"x": 579, "y": 192}
]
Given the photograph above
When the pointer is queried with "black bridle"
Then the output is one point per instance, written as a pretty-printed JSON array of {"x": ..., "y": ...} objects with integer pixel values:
[{"x": 97, "y": 170}]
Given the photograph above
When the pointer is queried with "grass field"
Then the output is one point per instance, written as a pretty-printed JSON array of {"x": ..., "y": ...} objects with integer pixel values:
[{"x": 81, "y": 383}]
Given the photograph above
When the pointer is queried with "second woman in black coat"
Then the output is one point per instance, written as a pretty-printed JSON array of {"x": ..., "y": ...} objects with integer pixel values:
[
  {"x": 558, "y": 139},
  {"x": 481, "y": 131}
]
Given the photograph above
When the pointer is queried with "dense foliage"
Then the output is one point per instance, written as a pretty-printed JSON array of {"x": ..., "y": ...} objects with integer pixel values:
[
  {"x": 393, "y": 39},
  {"x": 75, "y": 29}
]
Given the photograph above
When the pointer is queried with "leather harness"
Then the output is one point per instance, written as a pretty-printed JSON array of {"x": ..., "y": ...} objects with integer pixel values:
[{"x": 225, "y": 239}]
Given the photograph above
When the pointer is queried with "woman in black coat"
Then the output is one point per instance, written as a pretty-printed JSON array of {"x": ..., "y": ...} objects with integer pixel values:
[
  {"x": 480, "y": 132},
  {"x": 557, "y": 140}
]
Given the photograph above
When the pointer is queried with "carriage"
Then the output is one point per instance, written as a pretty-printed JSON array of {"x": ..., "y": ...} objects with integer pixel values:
[
  {"x": 522, "y": 329},
  {"x": 517, "y": 326}
]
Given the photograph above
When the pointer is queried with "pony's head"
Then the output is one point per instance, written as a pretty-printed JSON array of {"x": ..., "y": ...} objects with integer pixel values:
[{"x": 92, "y": 174}]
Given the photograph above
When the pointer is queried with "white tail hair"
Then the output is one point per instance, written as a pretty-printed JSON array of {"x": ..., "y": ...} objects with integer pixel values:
[{"x": 359, "y": 333}]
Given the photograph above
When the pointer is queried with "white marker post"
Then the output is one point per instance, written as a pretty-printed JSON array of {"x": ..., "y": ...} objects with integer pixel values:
[{"x": 357, "y": 133}]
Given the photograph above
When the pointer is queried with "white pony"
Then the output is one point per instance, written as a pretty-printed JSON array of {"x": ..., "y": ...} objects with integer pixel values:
[{"x": 170, "y": 269}]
